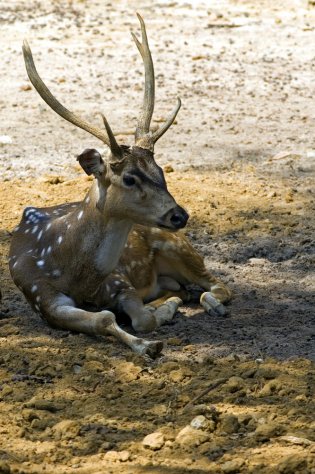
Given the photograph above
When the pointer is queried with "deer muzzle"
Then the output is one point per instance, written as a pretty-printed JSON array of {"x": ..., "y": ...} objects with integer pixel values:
[{"x": 175, "y": 219}]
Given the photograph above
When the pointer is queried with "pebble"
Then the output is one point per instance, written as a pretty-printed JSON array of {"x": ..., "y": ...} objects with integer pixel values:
[
  {"x": 190, "y": 437},
  {"x": 293, "y": 464},
  {"x": 127, "y": 372},
  {"x": 234, "y": 466},
  {"x": 120, "y": 456},
  {"x": 229, "y": 424},
  {"x": 234, "y": 384},
  {"x": 4, "y": 468},
  {"x": 270, "y": 388},
  {"x": 39, "y": 404},
  {"x": 180, "y": 374},
  {"x": 296, "y": 440},
  {"x": 200, "y": 422},
  {"x": 66, "y": 429},
  {"x": 265, "y": 431},
  {"x": 5, "y": 140},
  {"x": 174, "y": 341},
  {"x": 154, "y": 441}
]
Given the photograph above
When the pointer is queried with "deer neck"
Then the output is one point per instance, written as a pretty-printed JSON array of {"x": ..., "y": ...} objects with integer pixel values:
[{"x": 105, "y": 235}]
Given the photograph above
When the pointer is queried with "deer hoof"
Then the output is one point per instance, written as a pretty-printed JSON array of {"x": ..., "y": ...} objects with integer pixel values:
[
  {"x": 212, "y": 305},
  {"x": 152, "y": 348}
]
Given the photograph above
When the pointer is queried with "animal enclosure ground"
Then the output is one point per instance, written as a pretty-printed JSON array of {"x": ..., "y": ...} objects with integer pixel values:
[{"x": 243, "y": 160}]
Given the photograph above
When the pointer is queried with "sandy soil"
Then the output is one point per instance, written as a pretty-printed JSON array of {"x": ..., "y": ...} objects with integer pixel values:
[{"x": 229, "y": 395}]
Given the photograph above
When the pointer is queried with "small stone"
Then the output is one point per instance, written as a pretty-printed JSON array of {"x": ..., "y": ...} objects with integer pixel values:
[
  {"x": 127, "y": 372},
  {"x": 66, "y": 429},
  {"x": 265, "y": 431},
  {"x": 25, "y": 87},
  {"x": 168, "y": 169},
  {"x": 39, "y": 404},
  {"x": 190, "y": 437},
  {"x": 4, "y": 468},
  {"x": 269, "y": 388},
  {"x": 234, "y": 384},
  {"x": 124, "y": 456},
  {"x": 257, "y": 261},
  {"x": 199, "y": 422},
  {"x": 292, "y": 464},
  {"x": 77, "y": 369},
  {"x": 174, "y": 341},
  {"x": 296, "y": 440},
  {"x": 5, "y": 140},
  {"x": 154, "y": 441},
  {"x": 234, "y": 466},
  {"x": 229, "y": 424},
  {"x": 112, "y": 456},
  {"x": 180, "y": 374}
]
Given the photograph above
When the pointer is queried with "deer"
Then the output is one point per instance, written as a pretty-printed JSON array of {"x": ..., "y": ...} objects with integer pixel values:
[{"x": 119, "y": 249}]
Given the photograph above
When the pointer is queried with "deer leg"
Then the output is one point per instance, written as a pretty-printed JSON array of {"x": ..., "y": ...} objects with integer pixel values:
[
  {"x": 63, "y": 314},
  {"x": 148, "y": 317},
  {"x": 217, "y": 293},
  {"x": 165, "y": 308}
]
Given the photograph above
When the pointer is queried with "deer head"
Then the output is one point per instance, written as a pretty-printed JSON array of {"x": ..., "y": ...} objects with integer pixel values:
[{"x": 130, "y": 185}]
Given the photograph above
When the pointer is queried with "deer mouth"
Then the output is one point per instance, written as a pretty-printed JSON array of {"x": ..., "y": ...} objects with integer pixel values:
[{"x": 174, "y": 219}]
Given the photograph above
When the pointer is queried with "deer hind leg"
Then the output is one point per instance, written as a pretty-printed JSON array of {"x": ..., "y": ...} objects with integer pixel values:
[
  {"x": 62, "y": 313},
  {"x": 181, "y": 261}
]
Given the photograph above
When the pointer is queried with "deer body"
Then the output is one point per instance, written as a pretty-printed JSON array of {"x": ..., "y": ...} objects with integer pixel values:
[{"x": 116, "y": 250}]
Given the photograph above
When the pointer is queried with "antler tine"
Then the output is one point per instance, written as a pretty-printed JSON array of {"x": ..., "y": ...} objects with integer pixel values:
[
  {"x": 45, "y": 93},
  {"x": 156, "y": 135},
  {"x": 114, "y": 147},
  {"x": 145, "y": 117}
]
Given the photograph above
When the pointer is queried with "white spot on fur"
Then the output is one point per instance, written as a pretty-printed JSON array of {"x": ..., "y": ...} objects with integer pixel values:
[
  {"x": 38, "y": 298},
  {"x": 16, "y": 228},
  {"x": 60, "y": 239},
  {"x": 34, "y": 229},
  {"x": 80, "y": 215},
  {"x": 37, "y": 308},
  {"x": 56, "y": 273},
  {"x": 40, "y": 235},
  {"x": 87, "y": 199},
  {"x": 49, "y": 250},
  {"x": 43, "y": 253},
  {"x": 34, "y": 288},
  {"x": 48, "y": 226},
  {"x": 26, "y": 231},
  {"x": 40, "y": 263},
  {"x": 14, "y": 264},
  {"x": 117, "y": 282},
  {"x": 68, "y": 226}
]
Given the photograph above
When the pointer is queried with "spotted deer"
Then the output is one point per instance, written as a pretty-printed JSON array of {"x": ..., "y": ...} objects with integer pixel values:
[{"x": 117, "y": 249}]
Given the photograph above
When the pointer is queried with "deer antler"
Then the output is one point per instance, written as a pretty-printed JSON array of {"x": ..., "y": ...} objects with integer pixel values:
[
  {"x": 44, "y": 92},
  {"x": 145, "y": 138}
]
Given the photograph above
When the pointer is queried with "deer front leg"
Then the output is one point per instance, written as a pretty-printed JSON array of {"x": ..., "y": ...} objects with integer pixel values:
[
  {"x": 63, "y": 314},
  {"x": 212, "y": 300},
  {"x": 147, "y": 317}
]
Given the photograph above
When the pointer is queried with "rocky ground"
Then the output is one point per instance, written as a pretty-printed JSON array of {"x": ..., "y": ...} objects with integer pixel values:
[{"x": 228, "y": 395}]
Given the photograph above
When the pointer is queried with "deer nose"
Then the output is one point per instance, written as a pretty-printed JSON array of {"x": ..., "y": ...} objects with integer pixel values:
[{"x": 178, "y": 217}]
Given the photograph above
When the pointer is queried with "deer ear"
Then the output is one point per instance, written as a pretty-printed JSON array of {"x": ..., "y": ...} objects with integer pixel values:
[{"x": 91, "y": 162}]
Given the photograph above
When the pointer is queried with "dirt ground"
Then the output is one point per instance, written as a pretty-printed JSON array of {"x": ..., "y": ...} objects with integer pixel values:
[{"x": 228, "y": 395}]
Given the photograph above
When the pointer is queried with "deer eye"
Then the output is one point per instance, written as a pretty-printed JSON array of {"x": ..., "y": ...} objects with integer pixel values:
[{"x": 129, "y": 180}]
